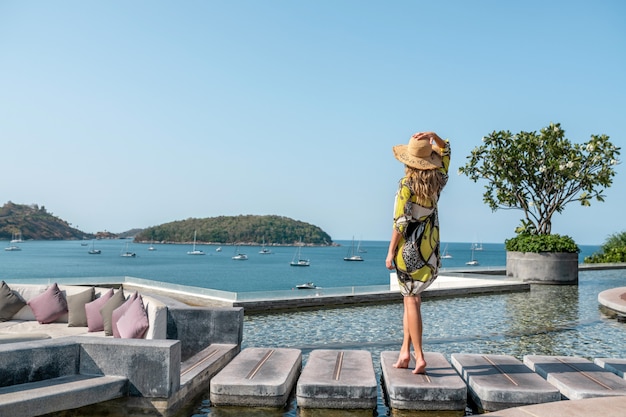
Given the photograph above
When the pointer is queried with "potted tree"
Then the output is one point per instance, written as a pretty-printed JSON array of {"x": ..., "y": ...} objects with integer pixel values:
[{"x": 539, "y": 174}]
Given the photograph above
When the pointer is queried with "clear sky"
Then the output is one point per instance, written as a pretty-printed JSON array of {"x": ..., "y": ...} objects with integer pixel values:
[{"x": 123, "y": 114}]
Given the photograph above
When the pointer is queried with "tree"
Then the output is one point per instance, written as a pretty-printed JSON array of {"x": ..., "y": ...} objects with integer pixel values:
[{"x": 541, "y": 173}]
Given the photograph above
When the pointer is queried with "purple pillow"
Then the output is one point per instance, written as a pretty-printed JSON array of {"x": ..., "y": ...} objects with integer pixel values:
[
  {"x": 119, "y": 312},
  {"x": 94, "y": 318},
  {"x": 49, "y": 305},
  {"x": 134, "y": 322}
]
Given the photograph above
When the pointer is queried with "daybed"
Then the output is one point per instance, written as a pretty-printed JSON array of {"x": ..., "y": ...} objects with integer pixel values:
[{"x": 33, "y": 311}]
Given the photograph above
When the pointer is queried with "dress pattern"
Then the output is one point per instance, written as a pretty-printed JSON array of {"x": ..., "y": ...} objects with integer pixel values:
[{"x": 417, "y": 258}]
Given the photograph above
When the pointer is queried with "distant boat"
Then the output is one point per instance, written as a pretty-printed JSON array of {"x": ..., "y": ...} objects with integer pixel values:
[
  {"x": 445, "y": 254},
  {"x": 12, "y": 248},
  {"x": 477, "y": 246},
  {"x": 127, "y": 253},
  {"x": 16, "y": 238},
  {"x": 151, "y": 247},
  {"x": 195, "y": 251},
  {"x": 351, "y": 255},
  {"x": 239, "y": 256},
  {"x": 297, "y": 259},
  {"x": 307, "y": 286},
  {"x": 264, "y": 250},
  {"x": 472, "y": 262},
  {"x": 93, "y": 250},
  {"x": 219, "y": 249}
]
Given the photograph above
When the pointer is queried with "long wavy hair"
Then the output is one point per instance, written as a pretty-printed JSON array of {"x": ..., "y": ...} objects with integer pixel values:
[{"x": 426, "y": 184}]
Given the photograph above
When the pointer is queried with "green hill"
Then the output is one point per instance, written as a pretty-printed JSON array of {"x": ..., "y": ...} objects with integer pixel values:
[
  {"x": 35, "y": 223},
  {"x": 245, "y": 229}
]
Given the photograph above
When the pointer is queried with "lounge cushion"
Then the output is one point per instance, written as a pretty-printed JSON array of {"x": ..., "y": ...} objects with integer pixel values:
[
  {"x": 77, "y": 315},
  {"x": 119, "y": 312},
  {"x": 48, "y": 306},
  {"x": 106, "y": 311},
  {"x": 134, "y": 322},
  {"x": 94, "y": 318},
  {"x": 10, "y": 302}
]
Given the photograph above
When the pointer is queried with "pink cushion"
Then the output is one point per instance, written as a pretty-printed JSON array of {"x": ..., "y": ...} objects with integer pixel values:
[
  {"x": 94, "y": 318},
  {"x": 119, "y": 312},
  {"x": 134, "y": 322},
  {"x": 49, "y": 305}
]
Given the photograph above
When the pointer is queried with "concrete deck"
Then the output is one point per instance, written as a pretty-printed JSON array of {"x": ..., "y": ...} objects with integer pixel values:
[
  {"x": 576, "y": 378},
  {"x": 497, "y": 382},
  {"x": 440, "y": 388},
  {"x": 257, "y": 377},
  {"x": 341, "y": 379}
]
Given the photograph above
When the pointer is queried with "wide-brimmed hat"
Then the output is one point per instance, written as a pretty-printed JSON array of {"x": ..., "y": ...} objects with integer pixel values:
[{"x": 418, "y": 154}]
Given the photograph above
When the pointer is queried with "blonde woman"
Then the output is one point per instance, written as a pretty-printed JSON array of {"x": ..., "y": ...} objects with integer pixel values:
[{"x": 414, "y": 246}]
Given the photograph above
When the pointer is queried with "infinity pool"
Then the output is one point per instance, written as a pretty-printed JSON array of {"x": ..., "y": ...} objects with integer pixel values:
[{"x": 548, "y": 320}]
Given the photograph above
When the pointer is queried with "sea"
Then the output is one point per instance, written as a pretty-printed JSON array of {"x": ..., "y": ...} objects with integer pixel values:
[
  {"x": 217, "y": 270},
  {"x": 547, "y": 320}
]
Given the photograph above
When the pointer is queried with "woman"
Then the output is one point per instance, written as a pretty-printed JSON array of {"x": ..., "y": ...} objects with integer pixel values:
[{"x": 414, "y": 246}]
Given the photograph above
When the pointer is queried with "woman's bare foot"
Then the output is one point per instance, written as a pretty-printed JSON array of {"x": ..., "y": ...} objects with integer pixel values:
[
  {"x": 420, "y": 366},
  {"x": 403, "y": 361}
]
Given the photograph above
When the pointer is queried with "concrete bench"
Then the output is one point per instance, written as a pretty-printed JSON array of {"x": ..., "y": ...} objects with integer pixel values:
[
  {"x": 337, "y": 379},
  {"x": 58, "y": 394},
  {"x": 257, "y": 377},
  {"x": 576, "y": 378},
  {"x": 496, "y": 382},
  {"x": 440, "y": 388}
]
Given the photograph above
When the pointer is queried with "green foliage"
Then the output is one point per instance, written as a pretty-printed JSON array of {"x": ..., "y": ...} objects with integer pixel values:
[
  {"x": 613, "y": 250},
  {"x": 527, "y": 242},
  {"x": 541, "y": 173},
  {"x": 247, "y": 229},
  {"x": 34, "y": 223}
]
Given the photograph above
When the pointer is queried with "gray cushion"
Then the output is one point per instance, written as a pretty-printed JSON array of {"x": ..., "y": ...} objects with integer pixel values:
[
  {"x": 76, "y": 315},
  {"x": 10, "y": 302},
  {"x": 107, "y": 311}
]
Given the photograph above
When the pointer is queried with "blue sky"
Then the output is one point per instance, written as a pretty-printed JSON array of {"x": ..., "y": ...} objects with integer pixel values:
[{"x": 116, "y": 115}]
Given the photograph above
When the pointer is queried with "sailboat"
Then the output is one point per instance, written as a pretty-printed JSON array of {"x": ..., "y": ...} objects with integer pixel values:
[
  {"x": 472, "y": 262},
  {"x": 297, "y": 259},
  {"x": 93, "y": 250},
  {"x": 127, "y": 253},
  {"x": 239, "y": 256},
  {"x": 446, "y": 254},
  {"x": 195, "y": 251},
  {"x": 16, "y": 238},
  {"x": 264, "y": 250},
  {"x": 478, "y": 246},
  {"x": 351, "y": 255}
]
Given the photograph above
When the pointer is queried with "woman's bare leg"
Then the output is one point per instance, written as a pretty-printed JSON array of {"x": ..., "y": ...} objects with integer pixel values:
[
  {"x": 405, "y": 350},
  {"x": 414, "y": 324}
]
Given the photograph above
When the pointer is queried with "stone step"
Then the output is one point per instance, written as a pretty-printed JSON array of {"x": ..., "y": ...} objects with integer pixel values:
[
  {"x": 496, "y": 382},
  {"x": 575, "y": 377},
  {"x": 257, "y": 377},
  {"x": 58, "y": 394},
  {"x": 617, "y": 366},
  {"x": 342, "y": 379},
  {"x": 440, "y": 388}
]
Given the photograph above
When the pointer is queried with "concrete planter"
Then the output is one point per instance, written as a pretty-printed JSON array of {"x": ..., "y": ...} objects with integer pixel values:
[{"x": 543, "y": 268}]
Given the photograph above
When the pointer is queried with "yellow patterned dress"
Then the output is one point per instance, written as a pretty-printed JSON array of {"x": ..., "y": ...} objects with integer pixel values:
[{"x": 417, "y": 258}]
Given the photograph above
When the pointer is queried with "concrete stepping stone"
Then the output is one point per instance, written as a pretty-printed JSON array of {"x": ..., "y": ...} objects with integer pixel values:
[
  {"x": 617, "y": 366},
  {"x": 257, "y": 377},
  {"x": 342, "y": 379},
  {"x": 440, "y": 388},
  {"x": 497, "y": 382},
  {"x": 575, "y": 377}
]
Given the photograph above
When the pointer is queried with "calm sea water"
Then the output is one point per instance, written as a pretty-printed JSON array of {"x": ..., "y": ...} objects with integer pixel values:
[{"x": 217, "y": 270}]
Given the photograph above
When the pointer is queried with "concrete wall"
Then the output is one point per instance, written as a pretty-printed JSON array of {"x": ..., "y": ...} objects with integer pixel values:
[{"x": 198, "y": 327}]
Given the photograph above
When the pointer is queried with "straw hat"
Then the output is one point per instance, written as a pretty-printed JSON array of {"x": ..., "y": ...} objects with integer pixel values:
[{"x": 418, "y": 154}]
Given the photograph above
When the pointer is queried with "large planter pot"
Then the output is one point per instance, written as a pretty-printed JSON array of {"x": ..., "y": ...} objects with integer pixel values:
[{"x": 543, "y": 268}]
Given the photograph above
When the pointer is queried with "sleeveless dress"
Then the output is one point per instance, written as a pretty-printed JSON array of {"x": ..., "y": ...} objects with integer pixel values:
[{"x": 417, "y": 258}]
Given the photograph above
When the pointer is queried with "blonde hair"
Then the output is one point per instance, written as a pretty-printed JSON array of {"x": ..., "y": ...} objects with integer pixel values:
[{"x": 426, "y": 184}]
